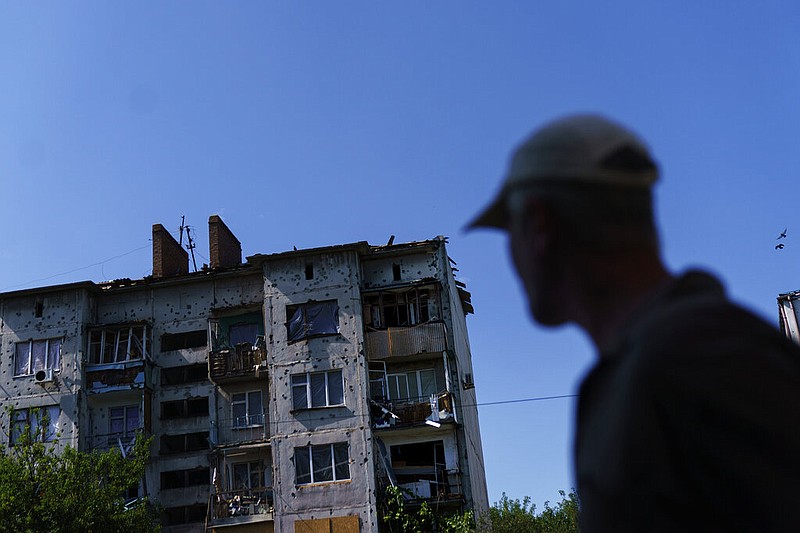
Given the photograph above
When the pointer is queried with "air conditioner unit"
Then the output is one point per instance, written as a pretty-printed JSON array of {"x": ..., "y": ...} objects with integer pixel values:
[{"x": 44, "y": 375}]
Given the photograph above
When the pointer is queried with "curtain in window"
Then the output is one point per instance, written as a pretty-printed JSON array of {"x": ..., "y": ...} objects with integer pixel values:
[
  {"x": 39, "y": 354},
  {"x": 22, "y": 360},
  {"x": 54, "y": 353}
]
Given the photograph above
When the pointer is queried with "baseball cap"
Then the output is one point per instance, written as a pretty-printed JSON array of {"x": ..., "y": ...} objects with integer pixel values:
[{"x": 584, "y": 148}]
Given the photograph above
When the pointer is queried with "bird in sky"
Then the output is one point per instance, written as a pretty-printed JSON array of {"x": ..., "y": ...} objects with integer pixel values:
[
  {"x": 779, "y": 246},
  {"x": 782, "y": 235}
]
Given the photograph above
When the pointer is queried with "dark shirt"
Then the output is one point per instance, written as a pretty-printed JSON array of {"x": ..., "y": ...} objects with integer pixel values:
[{"x": 690, "y": 420}]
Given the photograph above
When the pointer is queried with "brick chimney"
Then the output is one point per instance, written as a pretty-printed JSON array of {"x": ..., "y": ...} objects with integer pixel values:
[
  {"x": 169, "y": 258},
  {"x": 224, "y": 248}
]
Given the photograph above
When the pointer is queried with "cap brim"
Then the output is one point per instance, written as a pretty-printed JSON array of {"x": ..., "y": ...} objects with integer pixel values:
[{"x": 495, "y": 215}]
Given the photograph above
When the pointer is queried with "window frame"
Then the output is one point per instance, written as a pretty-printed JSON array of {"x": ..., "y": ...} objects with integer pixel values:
[
  {"x": 18, "y": 423},
  {"x": 96, "y": 352},
  {"x": 305, "y": 455},
  {"x": 51, "y": 361},
  {"x": 127, "y": 433},
  {"x": 308, "y": 378},
  {"x": 248, "y": 416},
  {"x": 419, "y": 396}
]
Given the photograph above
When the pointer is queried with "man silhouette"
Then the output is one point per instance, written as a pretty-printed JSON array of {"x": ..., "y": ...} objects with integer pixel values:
[{"x": 690, "y": 418}]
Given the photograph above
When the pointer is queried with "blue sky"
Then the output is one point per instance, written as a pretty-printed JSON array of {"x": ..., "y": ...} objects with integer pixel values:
[{"x": 315, "y": 123}]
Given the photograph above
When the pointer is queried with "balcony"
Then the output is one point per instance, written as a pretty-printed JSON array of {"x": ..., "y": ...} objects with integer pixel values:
[
  {"x": 242, "y": 361},
  {"x": 110, "y": 377},
  {"x": 243, "y": 506},
  {"x": 406, "y": 340},
  {"x": 243, "y": 430},
  {"x": 413, "y": 412},
  {"x": 118, "y": 441}
]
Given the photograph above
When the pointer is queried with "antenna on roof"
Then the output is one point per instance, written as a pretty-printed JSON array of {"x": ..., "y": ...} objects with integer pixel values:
[{"x": 191, "y": 246}]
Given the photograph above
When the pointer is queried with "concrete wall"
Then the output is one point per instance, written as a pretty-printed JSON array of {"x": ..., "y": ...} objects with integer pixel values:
[
  {"x": 336, "y": 277},
  {"x": 474, "y": 473},
  {"x": 63, "y": 313}
]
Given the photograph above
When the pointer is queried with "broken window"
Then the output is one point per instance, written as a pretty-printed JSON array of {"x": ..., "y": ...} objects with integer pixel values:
[
  {"x": 322, "y": 463},
  {"x": 184, "y": 408},
  {"x": 184, "y": 374},
  {"x": 116, "y": 344},
  {"x": 185, "y": 514},
  {"x": 178, "y": 479},
  {"x": 408, "y": 307},
  {"x": 312, "y": 319},
  {"x": 247, "y": 475},
  {"x": 420, "y": 468},
  {"x": 187, "y": 442},
  {"x": 247, "y": 409},
  {"x": 39, "y": 424},
  {"x": 181, "y": 341},
  {"x": 317, "y": 389},
  {"x": 415, "y": 385},
  {"x": 229, "y": 331},
  {"x": 123, "y": 422},
  {"x": 32, "y": 356}
]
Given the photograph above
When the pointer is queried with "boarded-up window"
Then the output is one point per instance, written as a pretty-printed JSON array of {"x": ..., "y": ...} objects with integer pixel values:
[{"x": 340, "y": 524}]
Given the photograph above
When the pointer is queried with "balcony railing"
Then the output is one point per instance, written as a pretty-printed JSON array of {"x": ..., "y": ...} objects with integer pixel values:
[
  {"x": 245, "y": 360},
  {"x": 430, "y": 482},
  {"x": 119, "y": 441},
  {"x": 406, "y": 340},
  {"x": 117, "y": 376},
  {"x": 413, "y": 411},
  {"x": 240, "y": 506},
  {"x": 251, "y": 428}
]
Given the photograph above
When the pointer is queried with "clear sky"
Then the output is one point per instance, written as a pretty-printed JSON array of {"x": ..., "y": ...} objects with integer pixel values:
[{"x": 316, "y": 123}]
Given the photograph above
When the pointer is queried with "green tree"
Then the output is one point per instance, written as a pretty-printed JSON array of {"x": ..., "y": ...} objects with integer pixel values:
[
  {"x": 515, "y": 516},
  {"x": 42, "y": 490},
  {"x": 398, "y": 519}
]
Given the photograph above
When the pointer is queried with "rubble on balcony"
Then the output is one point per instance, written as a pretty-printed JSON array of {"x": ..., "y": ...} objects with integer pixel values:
[
  {"x": 243, "y": 360},
  {"x": 228, "y": 507},
  {"x": 413, "y": 411}
]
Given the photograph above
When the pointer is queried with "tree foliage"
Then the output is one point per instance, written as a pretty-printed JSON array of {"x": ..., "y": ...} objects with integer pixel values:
[
  {"x": 515, "y": 516},
  {"x": 42, "y": 490},
  {"x": 399, "y": 519}
]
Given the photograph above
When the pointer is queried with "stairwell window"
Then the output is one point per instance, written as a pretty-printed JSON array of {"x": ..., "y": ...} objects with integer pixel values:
[
  {"x": 32, "y": 356},
  {"x": 312, "y": 319},
  {"x": 322, "y": 464},
  {"x": 317, "y": 389}
]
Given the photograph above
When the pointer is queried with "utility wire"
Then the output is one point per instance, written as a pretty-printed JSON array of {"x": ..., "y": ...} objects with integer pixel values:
[{"x": 74, "y": 269}]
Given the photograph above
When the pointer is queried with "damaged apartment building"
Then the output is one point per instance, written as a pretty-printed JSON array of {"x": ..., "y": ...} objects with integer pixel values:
[{"x": 284, "y": 393}]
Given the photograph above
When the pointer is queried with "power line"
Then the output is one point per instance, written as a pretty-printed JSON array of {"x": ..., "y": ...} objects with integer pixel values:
[{"x": 75, "y": 269}]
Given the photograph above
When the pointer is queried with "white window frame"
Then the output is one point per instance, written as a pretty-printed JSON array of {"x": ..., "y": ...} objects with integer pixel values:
[
  {"x": 28, "y": 368},
  {"x": 303, "y": 381},
  {"x": 250, "y": 419},
  {"x": 254, "y": 469},
  {"x": 22, "y": 417},
  {"x": 416, "y": 395},
  {"x": 306, "y": 453},
  {"x": 127, "y": 433},
  {"x": 102, "y": 357}
]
